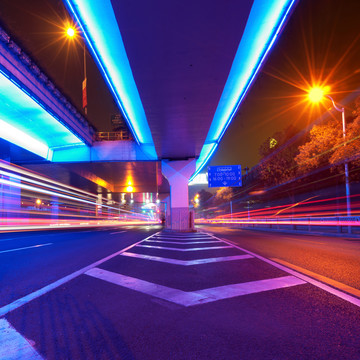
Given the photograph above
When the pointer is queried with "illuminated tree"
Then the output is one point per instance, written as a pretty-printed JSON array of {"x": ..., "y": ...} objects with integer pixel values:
[
  {"x": 350, "y": 149},
  {"x": 277, "y": 164},
  {"x": 326, "y": 144},
  {"x": 320, "y": 147},
  {"x": 224, "y": 194}
]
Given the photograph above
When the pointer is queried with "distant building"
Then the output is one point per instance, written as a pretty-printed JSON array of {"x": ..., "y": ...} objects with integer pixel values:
[
  {"x": 120, "y": 130},
  {"x": 118, "y": 123}
]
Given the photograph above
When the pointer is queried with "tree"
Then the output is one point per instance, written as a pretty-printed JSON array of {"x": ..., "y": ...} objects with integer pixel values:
[
  {"x": 204, "y": 196},
  {"x": 278, "y": 153},
  {"x": 320, "y": 147},
  {"x": 224, "y": 195},
  {"x": 326, "y": 145},
  {"x": 348, "y": 150}
]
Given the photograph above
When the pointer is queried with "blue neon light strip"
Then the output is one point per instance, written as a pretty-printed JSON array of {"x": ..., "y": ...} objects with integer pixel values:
[
  {"x": 20, "y": 138},
  {"x": 264, "y": 24},
  {"x": 27, "y": 124},
  {"x": 98, "y": 23}
]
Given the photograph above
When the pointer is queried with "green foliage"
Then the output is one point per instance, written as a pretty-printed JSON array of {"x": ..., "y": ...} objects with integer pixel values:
[{"x": 277, "y": 164}]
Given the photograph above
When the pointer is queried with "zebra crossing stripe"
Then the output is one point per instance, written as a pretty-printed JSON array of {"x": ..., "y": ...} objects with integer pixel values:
[
  {"x": 191, "y": 298},
  {"x": 186, "y": 262}
]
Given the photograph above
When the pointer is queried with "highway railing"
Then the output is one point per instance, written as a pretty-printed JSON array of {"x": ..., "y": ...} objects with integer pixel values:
[{"x": 113, "y": 136}]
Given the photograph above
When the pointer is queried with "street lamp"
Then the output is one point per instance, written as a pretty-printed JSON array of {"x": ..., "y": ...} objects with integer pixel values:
[
  {"x": 316, "y": 94},
  {"x": 71, "y": 33}
]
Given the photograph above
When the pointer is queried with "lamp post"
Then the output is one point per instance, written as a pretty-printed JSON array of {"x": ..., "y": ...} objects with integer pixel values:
[
  {"x": 316, "y": 95},
  {"x": 71, "y": 33}
]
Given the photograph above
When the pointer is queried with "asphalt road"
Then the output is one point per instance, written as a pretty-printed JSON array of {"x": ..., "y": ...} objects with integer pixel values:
[
  {"x": 30, "y": 260},
  {"x": 336, "y": 258},
  {"x": 137, "y": 293}
]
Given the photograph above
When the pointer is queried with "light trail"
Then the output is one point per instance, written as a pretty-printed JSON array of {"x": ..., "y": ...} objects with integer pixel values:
[
  {"x": 321, "y": 212},
  {"x": 30, "y": 200}
]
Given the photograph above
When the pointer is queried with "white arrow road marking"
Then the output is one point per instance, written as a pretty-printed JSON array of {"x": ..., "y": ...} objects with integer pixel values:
[
  {"x": 183, "y": 242},
  {"x": 189, "y": 249},
  {"x": 190, "y": 298},
  {"x": 186, "y": 262}
]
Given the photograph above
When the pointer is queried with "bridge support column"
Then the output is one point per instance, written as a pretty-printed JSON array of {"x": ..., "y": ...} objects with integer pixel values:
[
  {"x": 98, "y": 209},
  {"x": 178, "y": 173},
  {"x": 54, "y": 207},
  {"x": 10, "y": 202}
]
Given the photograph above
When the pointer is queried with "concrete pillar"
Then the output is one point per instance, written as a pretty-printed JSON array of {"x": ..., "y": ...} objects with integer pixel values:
[
  {"x": 109, "y": 198},
  {"x": 55, "y": 207},
  {"x": 167, "y": 212},
  {"x": 98, "y": 205},
  {"x": 3, "y": 214},
  {"x": 10, "y": 201},
  {"x": 109, "y": 202},
  {"x": 178, "y": 173}
]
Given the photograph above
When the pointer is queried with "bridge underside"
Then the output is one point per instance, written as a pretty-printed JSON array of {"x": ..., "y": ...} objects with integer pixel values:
[{"x": 178, "y": 72}]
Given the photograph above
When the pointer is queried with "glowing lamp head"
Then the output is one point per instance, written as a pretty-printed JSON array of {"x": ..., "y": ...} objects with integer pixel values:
[
  {"x": 70, "y": 32},
  {"x": 38, "y": 202},
  {"x": 129, "y": 189},
  {"x": 316, "y": 94}
]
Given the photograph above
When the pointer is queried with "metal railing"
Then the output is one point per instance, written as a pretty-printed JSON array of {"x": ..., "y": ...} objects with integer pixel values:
[{"x": 113, "y": 135}]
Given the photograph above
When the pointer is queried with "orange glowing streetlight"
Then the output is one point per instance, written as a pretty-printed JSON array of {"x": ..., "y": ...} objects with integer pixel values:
[
  {"x": 316, "y": 95},
  {"x": 70, "y": 32},
  {"x": 129, "y": 185},
  {"x": 129, "y": 189}
]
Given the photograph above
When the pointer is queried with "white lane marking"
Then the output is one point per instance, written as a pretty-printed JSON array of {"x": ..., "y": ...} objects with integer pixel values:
[
  {"x": 14, "y": 346},
  {"x": 191, "y": 298},
  {"x": 117, "y": 232},
  {"x": 182, "y": 242},
  {"x": 181, "y": 238},
  {"x": 338, "y": 293},
  {"x": 229, "y": 291},
  {"x": 27, "y": 298},
  {"x": 189, "y": 249},
  {"x": 186, "y": 262},
  {"x": 24, "y": 248},
  {"x": 163, "y": 292},
  {"x": 27, "y": 237}
]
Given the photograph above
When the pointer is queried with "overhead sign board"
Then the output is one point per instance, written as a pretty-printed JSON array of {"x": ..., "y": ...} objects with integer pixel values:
[{"x": 224, "y": 176}]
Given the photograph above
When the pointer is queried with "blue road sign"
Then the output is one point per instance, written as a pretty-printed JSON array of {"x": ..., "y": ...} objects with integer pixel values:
[{"x": 224, "y": 176}]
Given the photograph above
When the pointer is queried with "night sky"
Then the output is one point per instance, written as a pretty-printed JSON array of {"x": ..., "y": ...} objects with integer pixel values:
[{"x": 319, "y": 43}]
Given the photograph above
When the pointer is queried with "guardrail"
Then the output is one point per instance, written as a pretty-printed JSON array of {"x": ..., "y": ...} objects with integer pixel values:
[{"x": 113, "y": 135}]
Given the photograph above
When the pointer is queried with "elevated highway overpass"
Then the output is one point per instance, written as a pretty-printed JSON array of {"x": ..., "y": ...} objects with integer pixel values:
[{"x": 178, "y": 73}]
